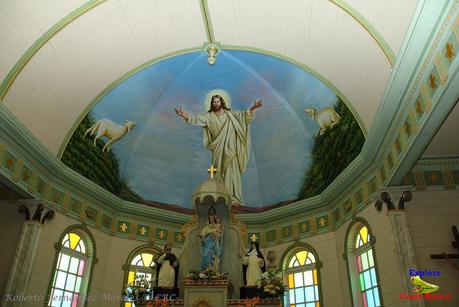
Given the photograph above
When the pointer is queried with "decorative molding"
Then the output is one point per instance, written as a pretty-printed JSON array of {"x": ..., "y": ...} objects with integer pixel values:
[
  {"x": 350, "y": 192},
  {"x": 35, "y": 210}
]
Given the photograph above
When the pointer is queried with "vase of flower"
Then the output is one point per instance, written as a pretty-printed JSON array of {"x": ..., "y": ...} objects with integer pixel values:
[{"x": 271, "y": 284}]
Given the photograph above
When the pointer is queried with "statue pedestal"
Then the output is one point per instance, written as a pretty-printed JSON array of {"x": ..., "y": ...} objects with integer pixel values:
[
  {"x": 202, "y": 292},
  {"x": 267, "y": 302},
  {"x": 250, "y": 292}
]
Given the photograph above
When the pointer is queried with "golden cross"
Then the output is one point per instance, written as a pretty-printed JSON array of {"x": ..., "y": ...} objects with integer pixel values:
[
  {"x": 419, "y": 107},
  {"x": 143, "y": 231},
  {"x": 25, "y": 175},
  {"x": 434, "y": 178},
  {"x": 304, "y": 226},
  {"x": 161, "y": 234},
  {"x": 179, "y": 237},
  {"x": 433, "y": 81},
  {"x": 123, "y": 227},
  {"x": 450, "y": 51},
  {"x": 254, "y": 237},
  {"x": 211, "y": 171},
  {"x": 322, "y": 222}
]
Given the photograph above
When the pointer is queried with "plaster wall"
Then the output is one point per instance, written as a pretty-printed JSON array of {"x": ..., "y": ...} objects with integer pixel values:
[
  {"x": 108, "y": 276},
  {"x": 387, "y": 260},
  {"x": 10, "y": 227},
  {"x": 325, "y": 247},
  {"x": 430, "y": 216}
]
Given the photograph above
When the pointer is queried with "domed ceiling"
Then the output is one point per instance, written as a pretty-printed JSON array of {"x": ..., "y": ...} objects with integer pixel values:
[{"x": 163, "y": 159}]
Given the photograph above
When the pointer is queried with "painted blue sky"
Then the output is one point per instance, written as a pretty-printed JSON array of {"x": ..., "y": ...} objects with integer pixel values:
[{"x": 163, "y": 158}]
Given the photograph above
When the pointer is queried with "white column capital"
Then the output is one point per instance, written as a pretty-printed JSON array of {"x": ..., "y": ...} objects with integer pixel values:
[{"x": 35, "y": 210}]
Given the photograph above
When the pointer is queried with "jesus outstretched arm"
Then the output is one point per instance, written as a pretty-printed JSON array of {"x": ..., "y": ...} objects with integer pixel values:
[{"x": 226, "y": 135}]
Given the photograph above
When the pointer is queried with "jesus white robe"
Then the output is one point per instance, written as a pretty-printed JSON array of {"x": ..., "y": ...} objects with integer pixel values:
[{"x": 227, "y": 136}]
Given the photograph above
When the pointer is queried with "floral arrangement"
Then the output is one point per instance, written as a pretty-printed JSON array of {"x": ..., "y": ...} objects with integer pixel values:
[
  {"x": 272, "y": 283},
  {"x": 139, "y": 290},
  {"x": 208, "y": 273}
]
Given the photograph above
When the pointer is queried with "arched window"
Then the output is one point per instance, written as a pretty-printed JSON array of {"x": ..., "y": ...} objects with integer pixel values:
[
  {"x": 141, "y": 264},
  {"x": 361, "y": 266},
  {"x": 301, "y": 268},
  {"x": 73, "y": 267}
]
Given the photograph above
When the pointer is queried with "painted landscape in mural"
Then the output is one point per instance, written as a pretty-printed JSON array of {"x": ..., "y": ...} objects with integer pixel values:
[{"x": 297, "y": 141}]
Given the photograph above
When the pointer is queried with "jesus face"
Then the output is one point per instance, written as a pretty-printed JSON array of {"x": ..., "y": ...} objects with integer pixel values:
[{"x": 216, "y": 104}]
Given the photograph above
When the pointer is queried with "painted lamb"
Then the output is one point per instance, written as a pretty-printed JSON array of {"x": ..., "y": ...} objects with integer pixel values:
[{"x": 113, "y": 131}]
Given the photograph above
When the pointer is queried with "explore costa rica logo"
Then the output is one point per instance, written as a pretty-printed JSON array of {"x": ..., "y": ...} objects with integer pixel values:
[{"x": 423, "y": 289}]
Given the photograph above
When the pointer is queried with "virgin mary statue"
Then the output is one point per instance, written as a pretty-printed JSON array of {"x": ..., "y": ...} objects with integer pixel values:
[{"x": 211, "y": 238}]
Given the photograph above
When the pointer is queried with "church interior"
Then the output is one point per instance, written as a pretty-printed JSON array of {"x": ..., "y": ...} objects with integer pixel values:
[{"x": 300, "y": 153}]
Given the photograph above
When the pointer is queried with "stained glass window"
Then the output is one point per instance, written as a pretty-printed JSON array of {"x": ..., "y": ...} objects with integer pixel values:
[
  {"x": 70, "y": 272},
  {"x": 141, "y": 266},
  {"x": 366, "y": 269},
  {"x": 302, "y": 281}
]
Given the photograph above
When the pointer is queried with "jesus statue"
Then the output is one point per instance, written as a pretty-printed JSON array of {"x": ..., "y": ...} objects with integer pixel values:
[{"x": 226, "y": 134}]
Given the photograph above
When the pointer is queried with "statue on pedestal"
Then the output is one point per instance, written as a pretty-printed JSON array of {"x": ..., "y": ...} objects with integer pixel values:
[
  {"x": 167, "y": 269},
  {"x": 211, "y": 238},
  {"x": 253, "y": 265},
  {"x": 167, "y": 274}
]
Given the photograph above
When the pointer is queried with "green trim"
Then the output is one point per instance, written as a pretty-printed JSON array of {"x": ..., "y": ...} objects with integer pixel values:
[
  {"x": 405, "y": 79},
  {"x": 87, "y": 236},
  {"x": 292, "y": 250},
  {"x": 351, "y": 184},
  {"x": 369, "y": 28},
  {"x": 25, "y": 58},
  {"x": 114, "y": 84},
  {"x": 207, "y": 21},
  {"x": 30, "y": 52},
  {"x": 443, "y": 103}
]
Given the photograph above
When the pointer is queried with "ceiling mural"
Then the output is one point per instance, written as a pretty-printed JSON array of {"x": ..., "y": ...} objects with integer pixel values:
[{"x": 302, "y": 136}]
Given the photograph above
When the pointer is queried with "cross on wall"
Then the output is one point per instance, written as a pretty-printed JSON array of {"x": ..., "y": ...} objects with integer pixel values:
[{"x": 447, "y": 256}]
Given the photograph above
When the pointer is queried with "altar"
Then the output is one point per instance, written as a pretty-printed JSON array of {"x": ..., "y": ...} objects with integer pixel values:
[
  {"x": 202, "y": 292},
  {"x": 211, "y": 265}
]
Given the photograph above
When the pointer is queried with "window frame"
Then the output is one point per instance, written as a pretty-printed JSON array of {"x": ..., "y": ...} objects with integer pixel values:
[
  {"x": 127, "y": 267},
  {"x": 290, "y": 252},
  {"x": 350, "y": 255},
  {"x": 89, "y": 257}
]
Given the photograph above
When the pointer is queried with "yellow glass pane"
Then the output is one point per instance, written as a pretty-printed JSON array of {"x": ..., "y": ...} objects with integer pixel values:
[
  {"x": 74, "y": 239},
  {"x": 127, "y": 304},
  {"x": 317, "y": 304},
  {"x": 131, "y": 277},
  {"x": 364, "y": 234},
  {"x": 147, "y": 259},
  {"x": 315, "y": 277},
  {"x": 302, "y": 257},
  {"x": 291, "y": 284}
]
